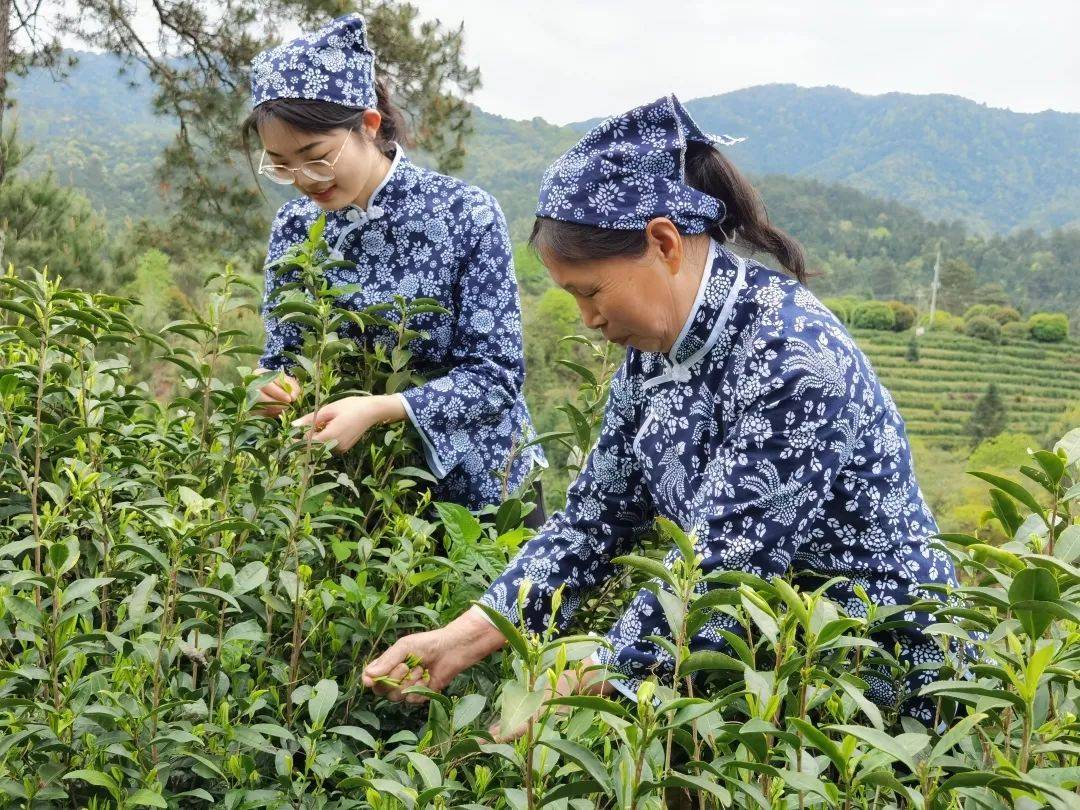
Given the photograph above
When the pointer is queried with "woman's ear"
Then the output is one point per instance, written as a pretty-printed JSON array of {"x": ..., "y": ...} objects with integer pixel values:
[
  {"x": 371, "y": 122},
  {"x": 664, "y": 238}
]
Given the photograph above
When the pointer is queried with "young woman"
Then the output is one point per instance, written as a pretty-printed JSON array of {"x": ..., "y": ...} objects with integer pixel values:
[
  {"x": 744, "y": 412},
  {"x": 328, "y": 127}
]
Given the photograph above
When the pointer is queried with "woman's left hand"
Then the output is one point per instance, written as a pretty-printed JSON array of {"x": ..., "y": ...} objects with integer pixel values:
[{"x": 348, "y": 419}]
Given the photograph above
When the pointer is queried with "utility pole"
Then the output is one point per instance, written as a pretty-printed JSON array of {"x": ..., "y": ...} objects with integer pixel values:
[
  {"x": 934, "y": 286},
  {"x": 5, "y": 65}
]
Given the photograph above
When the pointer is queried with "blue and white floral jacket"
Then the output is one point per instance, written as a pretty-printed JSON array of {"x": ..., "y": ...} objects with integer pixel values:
[
  {"x": 766, "y": 433},
  {"x": 426, "y": 235}
]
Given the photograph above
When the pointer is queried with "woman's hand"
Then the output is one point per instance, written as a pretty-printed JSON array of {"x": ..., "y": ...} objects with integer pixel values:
[
  {"x": 346, "y": 420},
  {"x": 277, "y": 394},
  {"x": 433, "y": 659}
]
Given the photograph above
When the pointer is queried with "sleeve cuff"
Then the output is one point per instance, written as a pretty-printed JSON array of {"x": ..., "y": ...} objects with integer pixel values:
[{"x": 431, "y": 455}]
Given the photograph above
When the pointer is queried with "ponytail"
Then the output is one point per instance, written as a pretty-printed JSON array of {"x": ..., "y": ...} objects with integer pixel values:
[
  {"x": 746, "y": 218},
  {"x": 707, "y": 170},
  {"x": 393, "y": 127}
]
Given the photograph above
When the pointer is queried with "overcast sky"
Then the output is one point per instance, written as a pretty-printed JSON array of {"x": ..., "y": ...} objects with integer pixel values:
[{"x": 566, "y": 61}]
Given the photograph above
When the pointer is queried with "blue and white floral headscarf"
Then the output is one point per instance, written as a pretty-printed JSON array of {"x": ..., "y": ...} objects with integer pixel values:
[
  {"x": 333, "y": 64},
  {"x": 631, "y": 169}
]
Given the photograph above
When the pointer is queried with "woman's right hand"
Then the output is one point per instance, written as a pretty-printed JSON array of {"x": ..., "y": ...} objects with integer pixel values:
[
  {"x": 432, "y": 658},
  {"x": 277, "y": 394}
]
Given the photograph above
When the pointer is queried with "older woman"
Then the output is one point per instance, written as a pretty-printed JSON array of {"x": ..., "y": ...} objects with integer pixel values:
[{"x": 744, "y": 412}]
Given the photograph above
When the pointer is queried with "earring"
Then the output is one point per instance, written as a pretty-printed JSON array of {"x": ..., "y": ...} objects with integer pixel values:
[{"x": 734, "y": 232}]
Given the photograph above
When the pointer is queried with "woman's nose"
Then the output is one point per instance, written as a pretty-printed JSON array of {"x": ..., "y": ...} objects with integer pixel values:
[{"x": 590, "y": 316}]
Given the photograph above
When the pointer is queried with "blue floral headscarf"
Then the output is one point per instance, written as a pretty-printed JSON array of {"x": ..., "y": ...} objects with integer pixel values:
[
  {"x": 333, "y": 64},
  {"x": 631, "y": 169}
]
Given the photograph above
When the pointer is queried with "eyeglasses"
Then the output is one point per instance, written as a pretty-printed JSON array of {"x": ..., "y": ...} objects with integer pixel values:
[{"x": 319, "y": 170}]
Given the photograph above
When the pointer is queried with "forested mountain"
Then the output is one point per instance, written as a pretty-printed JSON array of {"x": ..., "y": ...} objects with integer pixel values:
[
  {"x": 940, "y": 166},
  {"x": 947, "y": 156}
]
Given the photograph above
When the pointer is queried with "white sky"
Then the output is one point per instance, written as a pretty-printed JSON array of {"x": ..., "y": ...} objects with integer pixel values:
[{"x": 567, "y": 61}]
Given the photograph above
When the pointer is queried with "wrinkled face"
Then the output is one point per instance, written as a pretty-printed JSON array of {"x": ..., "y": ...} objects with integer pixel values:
[
  {"x": 628, "y": 300},
  {"x": 358, "y": 168},
  {"x": 640, "y": 301}
]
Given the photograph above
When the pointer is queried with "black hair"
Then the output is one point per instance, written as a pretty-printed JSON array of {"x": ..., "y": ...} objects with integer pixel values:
[
  {"x": 316, "y": 115},
  {"x": 707, "y": 170}
]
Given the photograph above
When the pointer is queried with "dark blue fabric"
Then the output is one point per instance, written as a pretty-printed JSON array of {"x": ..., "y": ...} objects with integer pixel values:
[
  {"x": 631, "y": 169},
  {"x": 426, "y": 235},
  {"x": 333, "y": 64}
]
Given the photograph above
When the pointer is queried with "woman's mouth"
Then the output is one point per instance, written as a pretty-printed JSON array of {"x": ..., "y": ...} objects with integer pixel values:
[{"x": 325, "y": 195}]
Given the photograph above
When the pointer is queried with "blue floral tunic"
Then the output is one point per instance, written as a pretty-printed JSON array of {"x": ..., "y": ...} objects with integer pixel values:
[
  {"x": 426, "y": 235},
  {"x": 766, "y": 433}
]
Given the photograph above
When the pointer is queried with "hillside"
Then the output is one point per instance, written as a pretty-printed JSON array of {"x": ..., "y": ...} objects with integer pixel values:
[{"x": 1037, "y": 381}]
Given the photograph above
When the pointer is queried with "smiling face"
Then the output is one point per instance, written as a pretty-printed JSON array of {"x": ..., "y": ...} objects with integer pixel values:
[
  {"x": 359, "y": 166},
  {"x": 640, "y": 301}
]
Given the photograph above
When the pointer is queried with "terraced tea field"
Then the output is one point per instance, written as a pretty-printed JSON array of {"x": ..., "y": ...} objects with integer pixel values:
[{"x": 1036, "y": 381}]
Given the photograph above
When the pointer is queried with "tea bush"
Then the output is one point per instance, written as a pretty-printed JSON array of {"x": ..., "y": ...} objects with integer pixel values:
[
  {"x": 873, "y": 315},
  {"x": 1049, "y": 327},
  {"x": 983, "y": 328},
  {"x": 904, "y": 315},
  {"x": 189, "y": 591}
]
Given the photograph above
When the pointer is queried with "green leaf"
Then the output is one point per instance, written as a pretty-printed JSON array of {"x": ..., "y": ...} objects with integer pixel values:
[
  {"x": 217, "y": 594},
  {"x": 954, "y": 735},
  {"x": 765, "y": 623},
  {"x": 466, "y": 709},
  {"x": 652, "y": 568},
  {"x": 1014, "y": 489},
  {"x": 820, "y": 741},
  {"x": 427, "y": 769},
  {"x": 672, "y": 531},
  {"x": 793, "y": 600},
  {"x": 583, "y": 758},
  {"x": 674, "y": 610},
  {"x": 146, "y": 798},
  {"x": 195, "y": 502},
  {"x": 20, "y": 309},
  {"x": 709, "y": 661},
  {"x": 460, "y": 523},
  {"x": 322, "y": 700},
  {"x": 18, "y": 547},
  {"x": 902, "y": 747},
  {"x": 81, "y": 588},
  {"x": 853, "y": 690},
  {"x": 1033, "y": 584},
  {"x": 510, "y": 633},
  {"x": 97, "y": 778},
  {"x": 1067, "y": 545},
  {"x": 1069, "y": 444},
  {"x": 1036, "y": 666},
  {"x": 249, "y": 630},
  {"x": 24, "y": 611},
  {"x": 518, "y": 705},
  {"x": 594, "y": 703},
  {"x": 695, "y": 783},
  {"x": 139, "y": 601},
  {"x": 249, "y": 577},
  {"x": 356, "y": 733},
  {"x": 983, "y": 552},
  {"x": 580, "y": 370}
]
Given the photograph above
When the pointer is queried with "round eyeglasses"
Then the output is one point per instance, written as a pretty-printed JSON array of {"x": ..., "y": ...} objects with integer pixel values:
[{"x": 318, "y": 170}]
